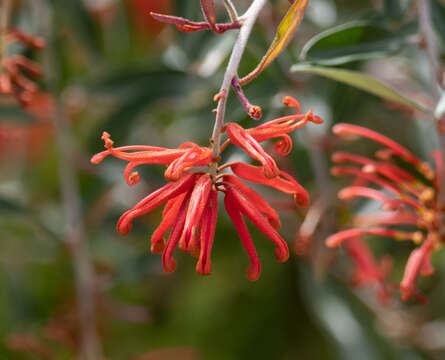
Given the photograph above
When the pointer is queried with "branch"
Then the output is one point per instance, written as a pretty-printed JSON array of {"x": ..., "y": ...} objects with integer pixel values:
[
  {"x": 426, "y": 27},
  {"x": 248, "y": 21}
]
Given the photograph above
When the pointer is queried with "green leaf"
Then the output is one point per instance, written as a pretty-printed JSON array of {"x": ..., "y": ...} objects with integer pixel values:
[
  {"x": 284, "y": 35},
  {"x": 72, "y": 14},
  {"x": 361, "y": 81},
  {"x": 136, "y": 90},
  {"x": 438, "y": 15},
  {"x": 351, "y": 42}
]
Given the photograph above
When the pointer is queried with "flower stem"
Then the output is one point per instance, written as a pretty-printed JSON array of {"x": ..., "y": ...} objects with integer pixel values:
[
  {"x": 248, "y": 21},
  {"x": 427, "y": 30}
]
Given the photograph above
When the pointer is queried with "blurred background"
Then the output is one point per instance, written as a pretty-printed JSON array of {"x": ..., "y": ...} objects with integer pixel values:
[{"x": 109, "y": 66}]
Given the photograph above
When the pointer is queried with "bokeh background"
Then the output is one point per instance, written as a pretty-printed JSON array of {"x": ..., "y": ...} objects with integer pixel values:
[{"x": 109, "y": 66}]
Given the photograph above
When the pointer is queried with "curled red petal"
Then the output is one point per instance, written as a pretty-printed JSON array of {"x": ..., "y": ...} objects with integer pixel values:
[
  {"x": 284, "y": 183},
  {"x": 336, "y": 239},
  {"x": 284, "y": 145},
  {"x": 256, "y": 199},
  {"x": 348, "y": 129},
  {"x": 154, "y": 200},
  {"x": 193, "y": 156},
  {"x": 198, "y": 201},
  {"x": 418, "y": 259},
  {"x": 360, "y": 191},
  {"x": 240, "y": 137},
  {"x": 367, "y": 271},
  {"x": 386, "y": 218},
  {"x": 168, "y": 262},
  {"x": 254, "y": 270},
  {"x": 253, "y": 214},
  {"x": 169, "y": 216},
  {"x": 207, "y": 233}
]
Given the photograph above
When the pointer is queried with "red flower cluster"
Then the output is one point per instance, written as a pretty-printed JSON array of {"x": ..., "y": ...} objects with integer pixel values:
[
  {"x": 409, "y": 199},
  {"x": 13, "y": 80},
  {"x": 191, "y": 197}
]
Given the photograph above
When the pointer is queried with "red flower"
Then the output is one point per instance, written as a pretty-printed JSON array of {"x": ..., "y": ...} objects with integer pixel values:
[
  {"x": 408, "y": 199},
  {"x": 187, "y": 156},
  {"x": 367, "y": 271},
  {"x": 12, "y": 79},
  {"x": 191, "y": 197}
]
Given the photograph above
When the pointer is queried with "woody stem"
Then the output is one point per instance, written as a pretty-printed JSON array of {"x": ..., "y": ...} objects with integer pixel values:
[
  {"x": 248, "y": 21},
  {"x": 426, "y": 26}
]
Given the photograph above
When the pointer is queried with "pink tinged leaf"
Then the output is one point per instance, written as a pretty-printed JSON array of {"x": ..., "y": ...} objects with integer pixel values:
[
  {"x": 192, "y": 26},
  {"x": 198, "y": 201},
  {"x": 240, "y": 137},
  {"x": 256, "y": 199},
  {"x": 169, "y": 216},
  {"x": 284, "y": 183},
  {"x": 154, "y": 200},
  {"x": 207, "y": 233},
  {"x": 168, "y": 262},
  {"x": 283, "y": 36},
  {"x": 254, "y": 270},
  {"x": 253, "y": 214},
  {"x": 208, "y": 10}
]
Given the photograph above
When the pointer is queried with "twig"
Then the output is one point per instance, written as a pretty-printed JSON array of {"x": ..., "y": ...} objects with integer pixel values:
[
  {"x": 426, "y": 27},
  {"x": 248, "y": 21}
]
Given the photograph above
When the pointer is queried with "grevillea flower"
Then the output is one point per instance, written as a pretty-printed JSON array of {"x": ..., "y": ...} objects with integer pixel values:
[
  {"x": 15, "y": 68},
  {"x": 191, "y": 195},
  {"x": 367, "y": 271},
  {"x": 409, "y": 199}
]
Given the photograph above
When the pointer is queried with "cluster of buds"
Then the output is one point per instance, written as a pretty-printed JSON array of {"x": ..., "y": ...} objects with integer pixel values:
[
  {"x": 191, "y": 195},
  {"x": 15, "y": 69},
  {"x": 408, "y": 189}
]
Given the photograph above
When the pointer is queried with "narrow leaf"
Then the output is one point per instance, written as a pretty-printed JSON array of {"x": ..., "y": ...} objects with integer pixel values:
[
  {"x": 285, "y": 32},
  {"x": 362, "y": 81},
  {"x": 208, "y": 10},
  {"x": 352, "y": 41}
]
